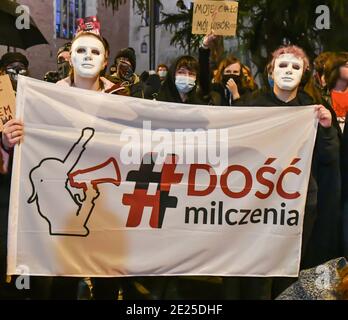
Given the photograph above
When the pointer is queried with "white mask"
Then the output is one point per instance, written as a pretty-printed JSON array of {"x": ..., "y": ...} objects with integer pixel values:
[
  {"x": 162, "y": 73},
  {"x": 184, "y": 84},
  {"x": 88, "y": 56},
  {"x": 288, "y": 71}
]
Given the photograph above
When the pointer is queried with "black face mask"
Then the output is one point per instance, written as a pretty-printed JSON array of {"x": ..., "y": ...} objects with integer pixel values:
[
  {"x": 125, "y": 71},
  {"x": 14, "y": 70},
  {"x": 63, "y": 69},
  {"x": 236, "y": 78},
  {"x": 52, "y": 76}
]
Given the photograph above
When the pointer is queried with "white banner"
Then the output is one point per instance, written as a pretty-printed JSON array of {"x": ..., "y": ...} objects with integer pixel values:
[{"x": 107, "y": 185}]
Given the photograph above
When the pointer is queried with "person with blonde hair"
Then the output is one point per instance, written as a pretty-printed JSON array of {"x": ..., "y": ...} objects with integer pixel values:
[
  {"x": 229, "y": 83},
  {"x": 249, "y": 80}
]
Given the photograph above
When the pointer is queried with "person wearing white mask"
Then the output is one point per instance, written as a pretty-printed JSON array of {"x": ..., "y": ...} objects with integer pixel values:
[
  {"x": 287, "y": 68},
  {"x": 182, "y": 83},
  {"x": 89, "y": 54},
  {"x": 287, "y": 73},
  {"x": 88, "y": 58}
]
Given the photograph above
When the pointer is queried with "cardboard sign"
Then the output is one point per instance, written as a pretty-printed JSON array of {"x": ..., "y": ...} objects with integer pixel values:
[
  {"x": 220, "y": 16},
  {"x": 7, "y": 100}
]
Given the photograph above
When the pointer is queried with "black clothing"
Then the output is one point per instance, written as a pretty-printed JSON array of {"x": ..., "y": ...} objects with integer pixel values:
[
  {"x": 345, "y": 187},
  {"x": 5, "y": 186},
  {"x": 151, "y": 85}
]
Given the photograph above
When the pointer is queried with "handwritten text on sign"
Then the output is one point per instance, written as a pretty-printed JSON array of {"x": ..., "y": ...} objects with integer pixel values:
[
  {"x": 219, "y": 16},
  {"x": 7, "y": 100}
]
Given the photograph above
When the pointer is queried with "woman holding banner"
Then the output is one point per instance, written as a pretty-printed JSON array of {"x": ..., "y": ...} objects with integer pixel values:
[
  {"x": 288, "y": 67},
  {"x": 89, "y": 54}
]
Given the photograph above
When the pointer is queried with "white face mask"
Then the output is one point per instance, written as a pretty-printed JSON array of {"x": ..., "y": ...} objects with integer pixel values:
[
  {"x": 162, "y": 73},
  {"x": 288, "y": 71},
  {"x": 184, "y": 84},
  {"x": 88, "y": 56}
]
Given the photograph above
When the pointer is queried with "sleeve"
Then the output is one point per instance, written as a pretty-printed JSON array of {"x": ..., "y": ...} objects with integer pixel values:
[
  {"x": 327, "y": 145},
  {"x": 152, "y": 86},
  {"x": 344, "y": 155},
  {"x": 204, "y": 70},
  {"x": 4, "y": 160}
]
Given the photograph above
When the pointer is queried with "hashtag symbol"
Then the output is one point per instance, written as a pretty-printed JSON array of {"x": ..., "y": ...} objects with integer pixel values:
[{"x": 158, "y": 202}]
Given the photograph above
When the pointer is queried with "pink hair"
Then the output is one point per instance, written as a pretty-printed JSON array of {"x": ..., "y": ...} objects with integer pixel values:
[{"x": 291, "y": 49}]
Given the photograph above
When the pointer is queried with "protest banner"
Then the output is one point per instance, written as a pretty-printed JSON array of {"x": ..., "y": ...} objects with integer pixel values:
[{"x": 106, "y": 185}]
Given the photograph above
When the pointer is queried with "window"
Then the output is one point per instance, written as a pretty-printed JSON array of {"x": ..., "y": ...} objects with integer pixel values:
[{"x": 67, "y": 11}]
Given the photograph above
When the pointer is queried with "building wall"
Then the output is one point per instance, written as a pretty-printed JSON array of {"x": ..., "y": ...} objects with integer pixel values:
[
  {"x": 121, "y": 28},
  {"x": 139, "y": 33},
  {"x": 115, "y": 26},
  {"x": 42, "y": 58}
]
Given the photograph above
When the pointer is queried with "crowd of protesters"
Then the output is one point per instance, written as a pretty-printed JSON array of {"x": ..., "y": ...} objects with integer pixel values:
[{"x": 293, "y": 80}]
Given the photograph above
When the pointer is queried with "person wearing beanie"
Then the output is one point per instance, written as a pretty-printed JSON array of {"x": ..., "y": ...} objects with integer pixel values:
[
  {"x": 14, "y": 64},
  {"x": 123, "y": 73},
  {"x": 127, "y": 54}
]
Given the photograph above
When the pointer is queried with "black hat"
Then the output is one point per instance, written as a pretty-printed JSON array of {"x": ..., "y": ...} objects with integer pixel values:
[
  {"x": 11, "y": 57},
  {"x": 128, "y": 53}
]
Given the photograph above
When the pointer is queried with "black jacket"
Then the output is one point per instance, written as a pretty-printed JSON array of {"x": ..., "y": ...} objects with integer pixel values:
[
  {"x": 151, "y": 84},
  {"x": 5, "y": 185},
  {"x": 345, "y": 162},
  {"x": 344, "y": 167}
]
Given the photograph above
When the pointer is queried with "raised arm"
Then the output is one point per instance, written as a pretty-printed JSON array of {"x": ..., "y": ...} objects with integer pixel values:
[{"x": 204, "y": 63}]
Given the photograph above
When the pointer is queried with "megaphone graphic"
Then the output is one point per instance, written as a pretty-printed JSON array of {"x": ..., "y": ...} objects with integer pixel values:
[{"x": 106, "y": 172}]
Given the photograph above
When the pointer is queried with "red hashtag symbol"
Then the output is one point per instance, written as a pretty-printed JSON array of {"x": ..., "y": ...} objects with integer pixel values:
[
  {"x": 137, "y": 202},
  {"x": 159, "y": 202}
]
